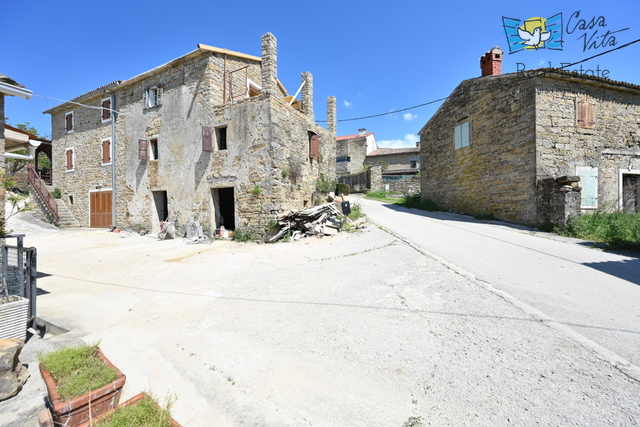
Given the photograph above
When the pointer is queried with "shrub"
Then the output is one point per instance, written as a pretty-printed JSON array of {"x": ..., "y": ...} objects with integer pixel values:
[
  {"x": 342, "y": 188},
  {"x": 415, "y": 202},
  {"x": 242, "y": 234},
  {"x": 56, "y": 193},
  {"x": 324, "y": 184},
  {"x": 618, "y": 230}
]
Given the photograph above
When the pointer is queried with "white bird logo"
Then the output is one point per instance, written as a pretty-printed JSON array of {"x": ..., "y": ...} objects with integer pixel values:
[{"x": 535, "y": 38}]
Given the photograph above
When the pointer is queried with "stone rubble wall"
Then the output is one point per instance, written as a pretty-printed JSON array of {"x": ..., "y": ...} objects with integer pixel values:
[{"x": 395, "y": 161}]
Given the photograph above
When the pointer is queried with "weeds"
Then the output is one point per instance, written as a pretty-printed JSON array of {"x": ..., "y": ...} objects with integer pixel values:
[
  {"x": 256, "y": 191},
  {"x": 56, "y": 193},
  {"x": 242, "y": 234},
  {"x": 324, "y": 184},
  {"x": 77, "y": 370},
  {"x": 356, "y": 212},
  {"x": 145, "y": 413},
  {"x": 618, "y": 230}
]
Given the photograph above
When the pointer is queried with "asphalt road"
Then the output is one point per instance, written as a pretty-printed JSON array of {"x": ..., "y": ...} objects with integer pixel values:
[{"x": 586, "y": 292}]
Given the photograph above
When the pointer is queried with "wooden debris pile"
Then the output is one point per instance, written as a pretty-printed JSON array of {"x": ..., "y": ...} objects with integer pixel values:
[{"x": 316, "y": 221}]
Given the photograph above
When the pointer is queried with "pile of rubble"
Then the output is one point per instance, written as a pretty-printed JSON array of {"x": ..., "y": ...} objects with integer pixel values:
[{"x": 316, "y": 221}]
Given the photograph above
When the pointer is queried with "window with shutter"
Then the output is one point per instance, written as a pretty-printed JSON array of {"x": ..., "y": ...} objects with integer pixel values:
[
  {"x": 69, "y": 154},
  {"x": 462, "y": 135},
  {"x": 314, "y": 147},
  {"x": 207, "y": 139},
  {"x": 106, "y": 152},
  {"x": 68, "y": 122},
  {"x": 153, "y": 96},
  {"x": 106, "y": 110},
  {"x": 589, "y": 183},
  {"x": 143, "y": 149},
  {"x": 586, "y": 113}
]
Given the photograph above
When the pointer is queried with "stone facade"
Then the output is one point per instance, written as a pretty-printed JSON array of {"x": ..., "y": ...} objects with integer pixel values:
[
  {"x": 524, "y": 134},
  {"x": 219, "y": 147},
  {"x": 351, "y": 152},
  {"x": 395, "y": 158}
]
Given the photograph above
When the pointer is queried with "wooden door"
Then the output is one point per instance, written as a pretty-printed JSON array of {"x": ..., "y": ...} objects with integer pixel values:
[
  {"x": 100, "y": 209},
  {"x": 631, "y": 193}
]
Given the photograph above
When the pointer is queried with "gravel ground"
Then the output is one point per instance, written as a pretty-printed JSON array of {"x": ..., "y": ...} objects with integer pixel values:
[{"x": 354, "y": 330}]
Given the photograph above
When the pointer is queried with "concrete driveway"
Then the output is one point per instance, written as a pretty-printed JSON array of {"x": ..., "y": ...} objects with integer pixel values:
[{"x": 359, "y": 329}]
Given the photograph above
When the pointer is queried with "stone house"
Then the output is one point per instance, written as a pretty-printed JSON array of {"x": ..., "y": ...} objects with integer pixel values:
[
  {"x": 396, "y": 161},
  {"x": 212, "y": 136},
  {"x": 351, "y": 151},
  {"x": 533, "y": 148}
]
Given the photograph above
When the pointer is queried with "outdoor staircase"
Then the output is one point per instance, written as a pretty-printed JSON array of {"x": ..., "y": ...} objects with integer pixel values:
[{"x": 65, "y": 217}]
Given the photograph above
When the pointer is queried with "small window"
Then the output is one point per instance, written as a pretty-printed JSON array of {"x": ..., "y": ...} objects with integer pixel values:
[
  {"x": 413, "y": 164},
  {"x": 106, "y": 110},
  {"x": 463, "y": 135},
  {"x": 343, "y": 159},
  {"x": 221, "y": 138},
  {"x": 153, "y": 96},
  {"x": 70, "y": 158},
  {"x": 154, "y": 154},
  {"x": 68, "y": 122},
  {"x": 314, "y": 146},
  {"x": 589, "y": 183},
  {"x": 106, "y": 152},
  {"x": 585, "y": 113}
]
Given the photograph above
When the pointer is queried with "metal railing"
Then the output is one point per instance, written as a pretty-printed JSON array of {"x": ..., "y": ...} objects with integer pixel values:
[
  {"x": 19, "y": 273},
  {"x": 41, "y": 189}
]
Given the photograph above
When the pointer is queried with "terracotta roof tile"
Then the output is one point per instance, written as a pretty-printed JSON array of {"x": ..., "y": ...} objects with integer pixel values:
[{"x": 354, "y": 136}]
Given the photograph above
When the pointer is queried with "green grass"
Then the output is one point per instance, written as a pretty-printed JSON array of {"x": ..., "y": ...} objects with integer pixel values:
[
  {"x": 617, "y": 229},
  {"x": 405, "y": 201},
  {"x": 77, "y": 370},
  {"x": 145, "y": 413},
  {"x": 356, "y": 212}
]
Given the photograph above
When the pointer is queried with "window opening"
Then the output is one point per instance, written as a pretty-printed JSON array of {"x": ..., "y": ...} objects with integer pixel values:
[
  {"x": 70, "y": 159},
  {"x": 314, "y": 146},
  {"x": 106, "y": 152},
  {"x": 413, "y": 164},
  {"x": 68, "y": 122},
  {"x": 631, "y": 193},
  {"x": 463, "y": 135},
  {"x": 153, "y": 149},
  {"x": 221, "y": 137},
  {"x": 106, "y": 110}
]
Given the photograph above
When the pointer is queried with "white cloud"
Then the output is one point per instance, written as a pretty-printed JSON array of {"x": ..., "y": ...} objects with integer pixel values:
[
  {"x": 408, "y": 141},
  {"x": 347, "y": 104},
  {"x": 408, "y": 117}
]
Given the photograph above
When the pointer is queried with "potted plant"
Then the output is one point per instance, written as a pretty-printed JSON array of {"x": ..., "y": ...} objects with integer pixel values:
[
  {"x": 81, "y": 382},
  {"x": 140, "y": 411}
]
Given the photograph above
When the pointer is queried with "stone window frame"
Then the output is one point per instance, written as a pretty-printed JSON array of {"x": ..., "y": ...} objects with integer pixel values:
[
  {"x": 69, "y": 125},
  {"x": 417, "y": 163},
  {"x": 469, "y": 132},
  {"x": 102, "y": 163},
  {"x": 73, "y": 159},
  {"x": 621, "y": 173},
  {"x": 585, "y": 185},
  {"x": 104, "y": 110}
]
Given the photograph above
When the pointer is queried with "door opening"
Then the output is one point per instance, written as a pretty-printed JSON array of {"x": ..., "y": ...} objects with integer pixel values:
[
  {"x": 224, "y": 210},
  {"x": 631, "y": 193},
  {"x": 161, "y": 204}
]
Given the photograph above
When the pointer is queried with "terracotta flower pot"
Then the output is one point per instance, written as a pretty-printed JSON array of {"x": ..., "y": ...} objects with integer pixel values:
[
  {"x": 76, "y": 411},
  {"x": 134, "y": 400}
]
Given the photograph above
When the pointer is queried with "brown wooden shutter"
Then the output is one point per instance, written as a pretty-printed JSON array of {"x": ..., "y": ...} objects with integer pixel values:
[
  {"x": 314, "y": 147},
  {"x": 106, "y": 109},
  {"x": 582, "y": 112},
  {"x": 590, "y": 116},
  {"x": 143, "y": 149},
  {"x": 106, "y": 151},
  {"x": 69, "y": 160},
  {"x": 69, "y": 122},
  {"x": 207, "y": 139}
]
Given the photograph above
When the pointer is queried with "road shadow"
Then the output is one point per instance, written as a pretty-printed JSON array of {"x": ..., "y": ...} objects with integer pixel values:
[{"x": 626, "y": 269}]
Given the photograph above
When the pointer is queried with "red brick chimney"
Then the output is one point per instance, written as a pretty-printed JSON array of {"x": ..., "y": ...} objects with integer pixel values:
[{"x": 491, "y": 62}]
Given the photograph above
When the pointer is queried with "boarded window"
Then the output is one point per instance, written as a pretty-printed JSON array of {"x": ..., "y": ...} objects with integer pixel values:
[
  {"x": 143, "y": 149},
  {"x": 589, "y": 183},
  {"x": 106, "y": 151},
  {"x": 207, "y": 139},
  {"x": 463, "y": 135},
  {"x": 106, "y": 110},
  {"x": 586, "y": 113},
  {"x": 69, "y": 154},
  {"x": 68, "y": 122},
  {"x": 314, "y": 147}
]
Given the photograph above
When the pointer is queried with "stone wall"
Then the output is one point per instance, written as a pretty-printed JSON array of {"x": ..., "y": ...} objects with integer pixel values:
[
  {"x": 408, "y": 186},
  {"x": 356, "y": 149},
  {"x": 495, "y": 174},
  {"x": 612, "y": 146},
  {"x": 394, "y": 161}
]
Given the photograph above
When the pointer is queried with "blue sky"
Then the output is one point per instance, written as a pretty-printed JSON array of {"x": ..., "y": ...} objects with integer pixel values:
[{"x": 374, "y": 58}]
